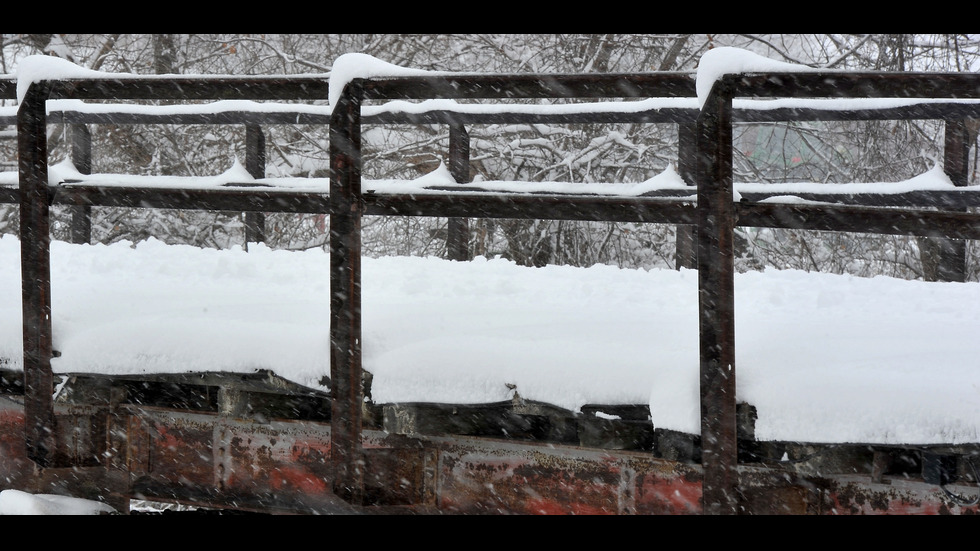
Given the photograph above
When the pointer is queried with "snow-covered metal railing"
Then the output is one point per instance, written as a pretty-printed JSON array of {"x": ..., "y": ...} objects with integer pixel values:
[
  {"x": 714, "y": 211},
  {"x": 35, "y": 197},
  {"x": 718, "y": 215}
]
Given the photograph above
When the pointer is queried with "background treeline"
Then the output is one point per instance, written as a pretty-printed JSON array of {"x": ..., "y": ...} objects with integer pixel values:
[{"x": 818, "y": 152}]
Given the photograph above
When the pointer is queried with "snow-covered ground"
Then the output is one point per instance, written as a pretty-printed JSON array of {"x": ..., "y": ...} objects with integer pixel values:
[
  {"x": 824, "y": 358},
  {"x": 16, "y": 502}
]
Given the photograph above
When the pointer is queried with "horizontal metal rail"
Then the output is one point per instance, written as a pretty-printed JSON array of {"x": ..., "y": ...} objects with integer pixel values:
[
  {"x": 240, "y": 199},
  {"x": 859, "y": 213},
  {"x": 600, "y": 114}
]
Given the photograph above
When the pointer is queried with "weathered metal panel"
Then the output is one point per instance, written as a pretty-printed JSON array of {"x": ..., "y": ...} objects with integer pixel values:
[
  {"x": 282, "y": 458},
  {"x": 211, "y": 460},
  {"x": 484, "y": 476},
  {"x": 233, "y": 463},
  {"x": 855, "y": 495},
  {"x": 175, "y": 448}
]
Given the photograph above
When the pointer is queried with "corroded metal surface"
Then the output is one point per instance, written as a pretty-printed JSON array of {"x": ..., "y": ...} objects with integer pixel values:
[
  {"x": 228, "y": 462},
  {"x": 283, "y": 466},
  {"x": 854, "y": 495},
  {"x": 487, "y": 476}
]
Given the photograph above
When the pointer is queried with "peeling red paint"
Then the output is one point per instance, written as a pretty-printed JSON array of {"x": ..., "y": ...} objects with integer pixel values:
[
  {"x": 544, "y": 507},
  {"x": 293, "y": 478},
  {"x": 11, "y": 417},
  {"x": 284, "y": 465},
  {"x": 668, "y": 496}
]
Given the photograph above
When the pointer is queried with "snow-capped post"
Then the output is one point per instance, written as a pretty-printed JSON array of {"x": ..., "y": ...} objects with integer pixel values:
[
  {"x": 255, "y": 165},
  {"x": 457, "y": 231},
  {"x": 716, "y": 298},
  {"x": 81, "y": 158},
  {"x": 346, "y": 206},
  {"x": 35, "y": 255}
]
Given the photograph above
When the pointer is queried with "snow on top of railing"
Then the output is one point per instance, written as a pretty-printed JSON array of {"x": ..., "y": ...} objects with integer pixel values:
[
  {"x": 37, "y": 68},
  {"x": 432, "y": 105},
  {"x": 718, "y": 62},
  {"x": 440, "y": 181},
  {"x": 713, "y": 65},
  {"x": 236, "y": 176},
  {"x": 349, "y": 66}
]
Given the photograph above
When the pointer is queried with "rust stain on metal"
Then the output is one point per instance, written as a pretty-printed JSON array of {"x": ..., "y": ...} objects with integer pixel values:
[
  {"x": 264, "y": 459},
  {"x": 524, "y": 485},
  {"x": 901, "y": 497},
  {"x": 311, "y": 452},
  {"x": 181, "y": 451},
  {"x": 16, "y": 470}
]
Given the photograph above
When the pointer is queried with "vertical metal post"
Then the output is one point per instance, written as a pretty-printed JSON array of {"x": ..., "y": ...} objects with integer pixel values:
[
  {"x": 346, "y": 390},
  {"x": 255, "y": 165},
  {"x": 956, "y": 165},
  {"x": 81, "y": 157},
  {"x": 685, "y": 251},
  {"x": 35, "y": 254},
  {"x": 457, "y": 232},
  {"x": 716, "y": 300}
]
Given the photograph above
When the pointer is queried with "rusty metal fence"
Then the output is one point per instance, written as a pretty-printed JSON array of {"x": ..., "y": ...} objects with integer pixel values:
[{"x": 705, "y": 155}]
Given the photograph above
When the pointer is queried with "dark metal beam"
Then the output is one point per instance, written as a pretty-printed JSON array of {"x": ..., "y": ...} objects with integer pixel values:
[
  {"x": 8, "y": 89},
  {"x": 81, "y": 157},
  {"x": 951, "y": 264},
  {"x": 233, "y": 199},
  {"x": 847, "y": 218},
  {"x": 346, "y": 388},
  {"x": 949, "y": 199},
  {"x": 716, "y": 301},
  {"x": 527, "y": 86},
  {"x": 918, "y": 111},
  {"x": 32, "y": 150},
  {"x": 530, "y": 206},
  {"x": 685, "y": 247},
  {"x": 841, "y": 84},
  {"x": 457, "y": 229},
  {"x": 202, "y": 87},
  {"x": 255, "y": 165}
]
